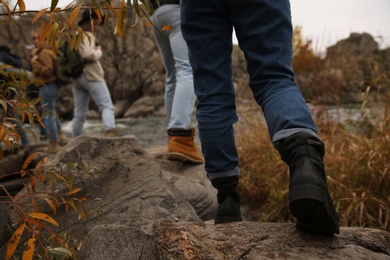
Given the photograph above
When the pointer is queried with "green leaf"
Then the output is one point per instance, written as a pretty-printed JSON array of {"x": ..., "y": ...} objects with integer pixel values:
[
  {"x": 98, "y": 6},
  {"x": 60, "y": 251},
  {"x": 53, "y": 5}
]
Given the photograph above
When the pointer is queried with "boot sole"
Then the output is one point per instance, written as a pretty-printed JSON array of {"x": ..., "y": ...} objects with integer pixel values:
[
  {"x": 223, "y": 220},
  {"x": 312, "y": 208},
  {"x": 183, "y": 158}
]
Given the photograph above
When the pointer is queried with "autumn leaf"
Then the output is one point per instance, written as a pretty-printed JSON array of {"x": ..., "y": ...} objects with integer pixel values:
[
  {"x": 74, "y": 191},
  {"x": 39, "y": 14},
  {"x": 8, "y": 10},
  {"x": 14, "y": 241},
  {"x": 35, "y": 205},
  {"x": 52, "y": 205},
  {"x": 30, "y": 159},
  {"x": 41, "y": 162},
  {"x": 29, "y": 251},
  {"x": 148, "y": 23},
  {"x": 167, "y": 28},
  {"x": 74, "y": 15},
  {"x": 44, "y": 217},
  {"x": 2, "y": 131},
  {"x": 22, "y": 6}
]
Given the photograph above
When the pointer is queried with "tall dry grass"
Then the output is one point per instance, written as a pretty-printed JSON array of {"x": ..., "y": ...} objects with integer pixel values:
[{"x": 357, "y": 163}]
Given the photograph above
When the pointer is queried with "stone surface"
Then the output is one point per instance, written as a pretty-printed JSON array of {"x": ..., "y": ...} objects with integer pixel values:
[{"x": 141, "y": 206}]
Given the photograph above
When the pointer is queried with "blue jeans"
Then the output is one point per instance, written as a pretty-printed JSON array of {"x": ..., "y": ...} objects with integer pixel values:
[
  {"x": 264, "y": 33},
  {"x": 49, "y": 95},
  {"x": 179, "y": 86},
  {"x": 83, "y": 89}
]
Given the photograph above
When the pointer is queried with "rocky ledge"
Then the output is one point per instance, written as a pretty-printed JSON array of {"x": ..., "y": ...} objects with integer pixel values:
[{"x": 141, "y": 206}]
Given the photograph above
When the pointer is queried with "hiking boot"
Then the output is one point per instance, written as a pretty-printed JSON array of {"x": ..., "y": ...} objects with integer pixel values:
[
  {"x": 181, "y": 146},
  {"x": 309, "y": 199},
  {"x": 62, "y": 139},
  {"x": 110, "y": 133},
  {"x": 53, "y": 147},
  {"x": 228, "y": 200}
]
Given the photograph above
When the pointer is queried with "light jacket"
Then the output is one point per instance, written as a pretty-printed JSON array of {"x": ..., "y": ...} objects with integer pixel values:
[{"x": 93, "y": 70}]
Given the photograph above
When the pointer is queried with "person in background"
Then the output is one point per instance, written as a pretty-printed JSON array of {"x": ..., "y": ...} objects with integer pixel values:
[
  {"x": 91, "y": 83},
  {"x": 179, "y": 91},
  {"x": 10, "y": 59},
  {"x": 43, "y": 63},
  {"x": 264, "y": 33}
]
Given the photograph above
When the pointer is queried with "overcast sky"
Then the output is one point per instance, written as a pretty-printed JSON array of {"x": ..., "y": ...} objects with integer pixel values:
[{"x": 323, "y": 21}]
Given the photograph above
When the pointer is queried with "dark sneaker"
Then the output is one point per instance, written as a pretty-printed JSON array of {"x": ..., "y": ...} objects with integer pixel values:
[{"x": 228, "y": 211}]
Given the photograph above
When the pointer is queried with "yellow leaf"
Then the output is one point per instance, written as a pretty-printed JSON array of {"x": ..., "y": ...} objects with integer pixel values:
[
  {"x": 2, "y": 131},
  {"x": 99, "y": 15},
  {"x": 8, "y": 10},
  {"x": 14, "y": 241},
  {"x": 30, "y": 159},
  {"x": 22, "y": 6},
  {"x": 52, "y": 205},
  {"x": 148, "y": 23},
  {"x": 121, "y": 21},
  {"x": 44, "y": 217},
  {"x": 41, "y": 162},
  {"x": 29, "y": 251},
  {"x": 74, "y": 15},
  {"x": 167, "y": 28},
  {"x": 45, "y": 33},
  {"x": 35, "y": 205},
  {"x": 39, "y": 14},
  {"x": 74, "y": 191}
]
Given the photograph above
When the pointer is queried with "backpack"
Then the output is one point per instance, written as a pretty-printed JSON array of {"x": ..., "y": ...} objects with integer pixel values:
[{"x": 70, "y": 64}]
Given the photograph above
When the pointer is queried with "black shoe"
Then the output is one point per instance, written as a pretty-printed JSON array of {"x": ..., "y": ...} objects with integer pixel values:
[
  {"x": 228, "y": 211},
  {"x": 309, "y": 198},
  {"x": 228, "y": 200}
]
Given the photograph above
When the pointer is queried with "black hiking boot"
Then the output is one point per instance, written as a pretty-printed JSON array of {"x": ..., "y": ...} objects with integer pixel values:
[
  {"x": 309, "y": 198},
  {"x": 228, "y": 200}
]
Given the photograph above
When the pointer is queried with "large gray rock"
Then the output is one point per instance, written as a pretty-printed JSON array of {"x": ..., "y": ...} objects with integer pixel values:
[
  {"x": 142, "y": 206},
  {"x": 246, "y": 240}
]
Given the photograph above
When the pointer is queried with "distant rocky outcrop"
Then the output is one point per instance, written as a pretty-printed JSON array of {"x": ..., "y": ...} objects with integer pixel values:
[
  {"x": 349, "y": 67},
  {"x": 142, "y": 206}
]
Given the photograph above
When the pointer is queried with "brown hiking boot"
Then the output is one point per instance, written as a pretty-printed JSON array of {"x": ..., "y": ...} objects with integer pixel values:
[
  {"x": 62, "y": 139},
  {"x": 53, "y": 147},
  {"x": 110, "y": 133},
  {"x": 181, "y": 146}
]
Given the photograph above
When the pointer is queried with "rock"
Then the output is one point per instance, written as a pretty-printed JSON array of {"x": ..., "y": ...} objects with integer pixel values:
[
  {"x": 141, "y": 206},
  {"x": 245, "y": 240}
]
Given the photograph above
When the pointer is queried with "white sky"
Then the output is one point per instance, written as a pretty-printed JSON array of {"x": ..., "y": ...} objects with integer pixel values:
[{"x": 323, "y": 21}]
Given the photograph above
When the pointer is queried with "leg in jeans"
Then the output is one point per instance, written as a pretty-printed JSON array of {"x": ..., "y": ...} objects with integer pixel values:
[
  {"x": 207, "y": 30},
  {"x": 179, "y": 90},
  {"x": 264, "y": 33},
  {"x": 81, "y": 104},
  {"x": 209, "y": 40},
  {"x": 100, "y": 95},
  {"x": 49, "y": 96}
]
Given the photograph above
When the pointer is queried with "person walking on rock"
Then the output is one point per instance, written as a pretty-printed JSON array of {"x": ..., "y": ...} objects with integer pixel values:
[
  {"x": 179, "y": 91},
  {"x": 91, "y": 82},
  {"x": 264, "y": 33},
  {"x": 43, "y": 64}
]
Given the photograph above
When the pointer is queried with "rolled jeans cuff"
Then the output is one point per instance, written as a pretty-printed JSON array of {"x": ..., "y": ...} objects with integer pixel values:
[{"x": 229, "y": 173}]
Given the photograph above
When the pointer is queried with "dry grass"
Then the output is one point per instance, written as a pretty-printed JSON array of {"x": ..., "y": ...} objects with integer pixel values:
[{"x": 357, "y": 163}]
